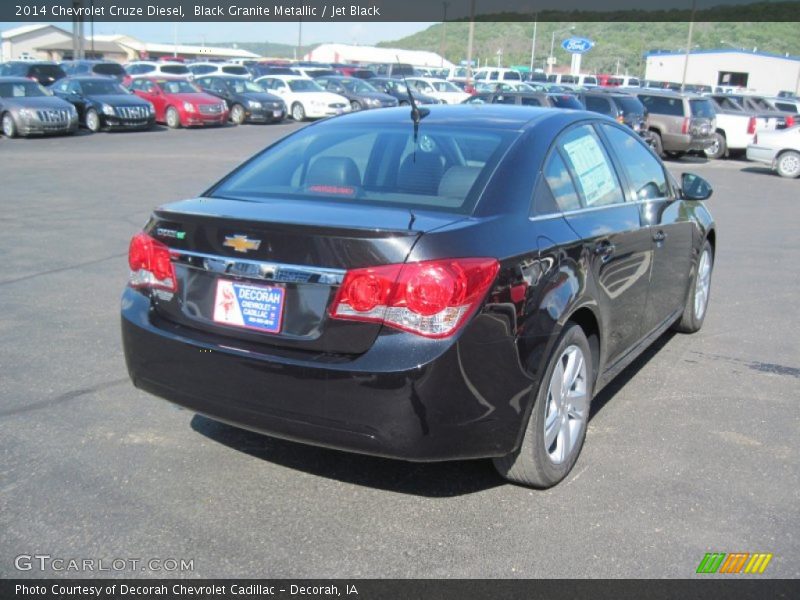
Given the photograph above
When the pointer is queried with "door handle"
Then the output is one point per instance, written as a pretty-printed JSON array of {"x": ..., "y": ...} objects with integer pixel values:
[
  {"x": 659, "y": 236},
  {"x": 604, "y": 250}
]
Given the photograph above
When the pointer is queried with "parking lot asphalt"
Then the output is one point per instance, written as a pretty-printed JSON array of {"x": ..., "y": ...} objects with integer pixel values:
[{"x": 693, "y": 449}]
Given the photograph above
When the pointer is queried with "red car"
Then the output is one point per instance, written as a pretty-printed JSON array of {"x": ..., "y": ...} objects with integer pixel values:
[{"x": 179, "y": 102}]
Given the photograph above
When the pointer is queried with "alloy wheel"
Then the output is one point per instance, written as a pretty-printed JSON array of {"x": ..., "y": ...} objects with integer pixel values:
[
  {"x": 703, "y": 285},
  {"x": 92, "y": 121},
  {"x": 8, "y": 126},
  {"x": 789, "y": 164},
  {"x": 567, "y": 407}
]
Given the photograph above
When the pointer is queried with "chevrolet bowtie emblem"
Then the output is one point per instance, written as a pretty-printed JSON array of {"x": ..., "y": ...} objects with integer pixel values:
[{"x": 241, "y": 243}]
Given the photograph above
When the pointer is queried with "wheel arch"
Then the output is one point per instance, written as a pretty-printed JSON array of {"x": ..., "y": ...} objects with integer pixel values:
[{"x": 585, "y": 318}]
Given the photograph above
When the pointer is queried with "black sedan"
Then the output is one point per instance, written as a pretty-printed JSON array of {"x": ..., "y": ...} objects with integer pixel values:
[
  {"x": 361, "y": 94},
  {"x": 398, "y": 89},
  {"x": 247, "y": 101},
  {"x": 455, "y": 287},
  {"x": 102, "y": 103},
  {"x": 27, "y": 108}
]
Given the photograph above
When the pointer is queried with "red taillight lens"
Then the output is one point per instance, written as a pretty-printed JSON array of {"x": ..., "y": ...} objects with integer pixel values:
[
  {"x": 685, "y": 128},
  {"x": 789, "y": 122},
  {"x": 150, "y": 263},
  {"x": 432, "y": 298},
  {"x": 751, "y": 125}
]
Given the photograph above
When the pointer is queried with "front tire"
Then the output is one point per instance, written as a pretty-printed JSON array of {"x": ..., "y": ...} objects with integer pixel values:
[
  {"x": 694, "y": 313},
  {"x": 92, "y": 120},
  {"x": 557, "y": 425},
  {"x": 9, "y": 126},
  {"x": 173, "y": 118},
  {"x": 238, "y": 114},
  {"x": 355, "y": 106},
  {"x": 788, "y": 164},
  {"x": 719, "y": 148},
  {"x": 298, "y": 112}
]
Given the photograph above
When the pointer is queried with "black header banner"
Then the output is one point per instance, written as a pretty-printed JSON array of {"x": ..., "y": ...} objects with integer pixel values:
[
  {"x": 734, "y": 588},
  {"x": 395, "y": 10}
]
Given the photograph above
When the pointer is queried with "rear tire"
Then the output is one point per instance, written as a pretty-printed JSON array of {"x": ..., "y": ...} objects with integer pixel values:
[
  {"x": 355, "y": 106},
  {"x": 694, "y": 313},
  {"x": 719, "y": 149},
  {"x": 173, "y": 118},
  {"x": 9, "y": 126},
  {"x": 556, "y": 428},
  {"x": 788, "y": 164},
  {"x": 657, "y": 144}
]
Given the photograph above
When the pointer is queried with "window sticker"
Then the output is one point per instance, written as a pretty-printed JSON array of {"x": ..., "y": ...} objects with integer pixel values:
[{"x": 591, "y": 167}]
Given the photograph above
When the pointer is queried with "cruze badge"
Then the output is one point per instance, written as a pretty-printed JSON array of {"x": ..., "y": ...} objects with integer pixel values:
[{"x": 241, "y": 243}]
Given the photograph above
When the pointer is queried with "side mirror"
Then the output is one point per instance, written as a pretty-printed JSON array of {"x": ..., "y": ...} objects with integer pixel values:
[{"x": 694, "y": 187}]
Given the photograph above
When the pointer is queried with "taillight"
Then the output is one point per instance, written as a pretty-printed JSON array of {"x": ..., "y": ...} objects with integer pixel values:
[
  {"x": 685, "y": 128},
  {"x": 431, "y": 298},
  {"x": 789, "y": 122},
  {"x": 751, "y": 125},
  {"x": 150, "y": 263},
  {"x": 620, "y": 119}
]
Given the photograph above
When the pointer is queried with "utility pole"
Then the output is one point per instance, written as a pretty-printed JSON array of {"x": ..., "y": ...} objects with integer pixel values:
[
  {"x": 470, "y": 38},
  {"x": 443, "y": 43},
  {"x": 688, "y": 46},
  {"x": 533, "y": 41},
  {"x": 300, "y": 39}
]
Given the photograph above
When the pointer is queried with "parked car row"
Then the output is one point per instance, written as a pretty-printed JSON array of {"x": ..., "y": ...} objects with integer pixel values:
[{"x": 672, "y": 123}]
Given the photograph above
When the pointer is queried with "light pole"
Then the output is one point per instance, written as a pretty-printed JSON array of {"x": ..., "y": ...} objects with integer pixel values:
[
  {"x": 469, "y": 41},
  {"x": 552, "y": 46},
  {"x": 444, "y": 31},
  {"x": 533, "y": 41},
  {"x": 688, "y": 46}
]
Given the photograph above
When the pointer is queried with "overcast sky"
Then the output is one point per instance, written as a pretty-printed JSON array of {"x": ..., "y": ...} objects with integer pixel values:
[{"x": 285, "y": 33}]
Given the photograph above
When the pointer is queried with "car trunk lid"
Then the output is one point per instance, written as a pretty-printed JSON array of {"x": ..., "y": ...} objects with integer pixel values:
[{"x": 265, "y": 273}]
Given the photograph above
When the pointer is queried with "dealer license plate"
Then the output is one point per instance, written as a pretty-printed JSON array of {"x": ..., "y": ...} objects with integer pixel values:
[{"x": 249, "y": 306}]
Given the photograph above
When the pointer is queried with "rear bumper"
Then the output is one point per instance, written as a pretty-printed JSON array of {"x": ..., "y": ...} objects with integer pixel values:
[
  {"x": 435, "y": 401},
  {"x": 686, "y": 143},
  {"x": 761, "y": 154}
]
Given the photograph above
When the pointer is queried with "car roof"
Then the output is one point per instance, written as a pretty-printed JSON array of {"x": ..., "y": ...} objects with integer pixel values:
[
  {"x": 671, "y": 94},
  {"x": 428, "y": 79},
  {"x": 487, "y": 116},
  {"x": 15, "y": 79},
  {"x": 90, "y": 78}
]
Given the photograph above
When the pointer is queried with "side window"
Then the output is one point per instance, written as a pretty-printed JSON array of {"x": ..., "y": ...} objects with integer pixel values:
[
  {"x": 591, "y": 167},
  {"x": 642, "y": 168},
  {"x": 663, "y": 105},
  {"x": 530, "y": 101},
  {"x": 559, "y": 181},
  {"x": 493, "y": 76},
  {"x": 598, "y": 105},
  {"x": 74, "y": 87}
]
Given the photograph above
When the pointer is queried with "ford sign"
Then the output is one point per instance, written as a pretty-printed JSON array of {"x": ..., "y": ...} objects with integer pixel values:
[{"x": 577, "y": 45}]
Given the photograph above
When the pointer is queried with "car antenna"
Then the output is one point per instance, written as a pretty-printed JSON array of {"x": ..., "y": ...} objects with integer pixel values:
[{"x": 417, "y": 113}]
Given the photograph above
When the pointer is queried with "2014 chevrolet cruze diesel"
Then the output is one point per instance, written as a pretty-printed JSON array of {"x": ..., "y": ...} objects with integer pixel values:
[{"x": 455, "y": 285}]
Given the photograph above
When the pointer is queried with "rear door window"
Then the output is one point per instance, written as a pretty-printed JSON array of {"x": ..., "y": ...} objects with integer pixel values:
[
  {"x": 590, "y": 167},
  {"x": 599, "y": 105},
  {"x": 561, "y": 186}
]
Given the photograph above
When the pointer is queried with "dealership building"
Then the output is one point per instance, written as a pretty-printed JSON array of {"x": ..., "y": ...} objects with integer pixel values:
[{"x": 761, "y": 71}]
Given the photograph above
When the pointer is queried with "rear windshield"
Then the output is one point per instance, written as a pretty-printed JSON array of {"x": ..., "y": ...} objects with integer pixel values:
[
  {"x": 566, "y": 101},
  {"x": 373, "y": 166},
  {"x": 112, "y": 69},
  {"x": 176, "y": 69},
  {"x": 702, "y": 108},
  {"x": 235, "y": 70},
  {"x": 51, "y": 72},
  {"x": 629, "y": 105}
]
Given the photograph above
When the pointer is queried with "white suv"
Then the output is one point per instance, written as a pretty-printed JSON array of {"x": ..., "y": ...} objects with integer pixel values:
[{"x": 201, "y": 69}]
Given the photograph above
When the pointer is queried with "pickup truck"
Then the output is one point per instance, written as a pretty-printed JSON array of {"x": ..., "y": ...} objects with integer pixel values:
[{"x": 735, "y": 126}]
